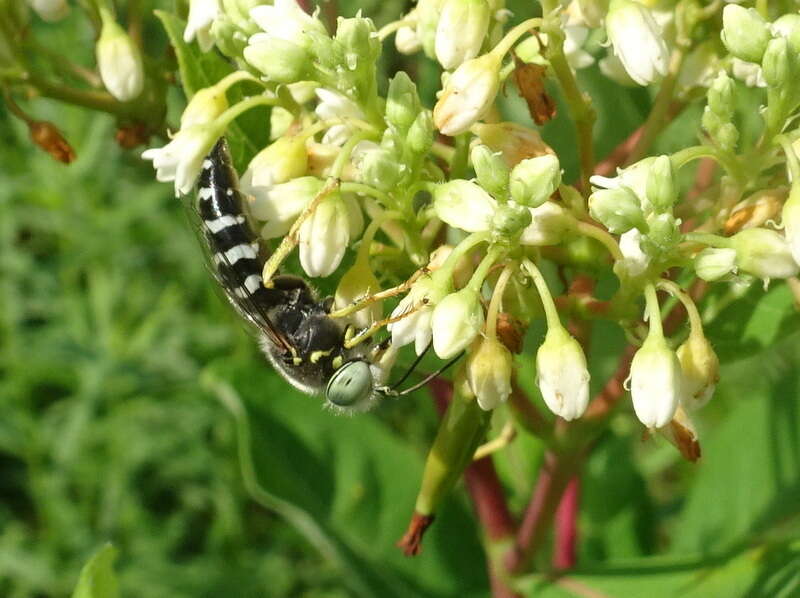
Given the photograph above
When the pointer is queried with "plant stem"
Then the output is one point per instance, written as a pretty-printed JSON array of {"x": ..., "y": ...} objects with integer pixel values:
[
  {"x": 653, "y": 311},
  {"x": 566, "y": 532},
  {"x": 708, "y": 239},
  {"x": 550, "y": 311},
  {"x": 605, "y": 238}
]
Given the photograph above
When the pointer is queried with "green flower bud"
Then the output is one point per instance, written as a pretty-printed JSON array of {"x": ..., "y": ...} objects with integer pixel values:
[
  {"x": 490, "y": 170},
  {"x": 402, "y": 102},
  {"x": 468, "y": 94},
  {"x": 380, "y": 168},
  {"x": 420, "y": 135},
  {"x": 550, "y": 224},
  {"x": 280, "y": 60},
  {"x": 534, "y": 180},
  {"x": 788, "y": 26},
  {"x": 727, "y": 137},
  {"x": 663, "y": 233},
  {"x": 357, "y": 38},
  {"x": 763, "y": 253},
  {"x": 224, "y": 33},
  {"x": 779, "y": 63},
  {"x": 720, "y": 96},
  {"x": 617, "y": 209},
  {"x": 488, "y": 370},
  {"x": 700, "y": 367},
  {"x": 510, "y": 219},
  {"x": 661, "y": 190},
  {"x": 744, "y": 32},
  {"x": 712, "y": 264}
]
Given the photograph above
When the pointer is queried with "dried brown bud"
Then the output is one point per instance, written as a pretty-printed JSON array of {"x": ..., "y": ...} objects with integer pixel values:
[
  {"x": 132, "y": 135},
  {"x": 510, "y": 332},
  {"x": 47, "y": 136},
  {"x": 411, "y": 542},
  {"x": 756, "y": 210}
]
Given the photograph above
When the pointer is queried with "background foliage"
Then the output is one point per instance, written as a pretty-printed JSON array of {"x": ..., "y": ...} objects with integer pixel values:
[{"x": 134, "y": 409}]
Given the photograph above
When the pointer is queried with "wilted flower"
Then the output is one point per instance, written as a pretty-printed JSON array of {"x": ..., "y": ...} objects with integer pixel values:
[
  {"x": 637, "y": 40},
  {"x": 182, "y": 158},
  {"x": 562, "y": 374},
  {"x": 456, "y": 321},
  {"x": 700, "y": 367},
  {"x": 462, "y": 28},
  {"x": 201, "y": 16},
  {"x": 514, "y": 142},
  {"x": 489, "y": 367},
  {"x": 119, "y": 61},
  {"x": 656, "y": 381},
  {"x": 468, "y": 94}
]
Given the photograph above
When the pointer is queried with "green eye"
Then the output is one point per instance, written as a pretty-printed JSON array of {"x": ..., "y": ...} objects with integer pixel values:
[{"x": 350, "y": 385}]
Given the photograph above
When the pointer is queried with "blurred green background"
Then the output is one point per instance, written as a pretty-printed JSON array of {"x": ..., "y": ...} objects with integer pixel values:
[{"x": 135, "y": 409}]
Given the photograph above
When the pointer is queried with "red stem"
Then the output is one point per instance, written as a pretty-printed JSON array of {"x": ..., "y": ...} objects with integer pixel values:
[{"x": 566, "y": 524}]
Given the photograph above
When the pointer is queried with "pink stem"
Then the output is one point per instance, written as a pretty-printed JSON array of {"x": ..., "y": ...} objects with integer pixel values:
[{"x": 566, "y": 524}]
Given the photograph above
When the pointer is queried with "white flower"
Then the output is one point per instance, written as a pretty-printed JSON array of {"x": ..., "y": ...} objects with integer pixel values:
[
  {"x": 287, "y": 21},
  {"x": 333, "y": 105},
  {"x": 549, "y": 224},
  {"x": 637, "y": 40},
  {"x": 462, "y": 28},
  {"x": 407, "y": 41},
  {"x": 201, "y": 16},
  {"x": 712, "y": 263},
  {"x": 763, "y": 253},
  {"x": 204, "y": 107},
  {"x": 574, "y": 38},
  {"x": 489, "y": 367},
  {"x": 356, "y": 284},
  {"x": 182, "y": 158},
  {"x": 562, "y": 374},
  {"x": 280, "y": 205},
  {"x": 119, "y": 62},
  {"x": 635, "y": 260},
  {"x": 748, "y": 72},
  {"x": 324, "y": 236},
  {"x": 634, "y": 177},
  {"x": 464, "y": 205},
  {"x": 611, "y": 66},
  {"x": 656, "y": 382},
  {"x": 791, "y": 221},
  {"x": 416, "y": 327},
  {"x": 283, "y": 160},
  {"x": 468, "y": 94},
  {"x": 50, "y": 10},
  {"x": 456, "y": 321}
]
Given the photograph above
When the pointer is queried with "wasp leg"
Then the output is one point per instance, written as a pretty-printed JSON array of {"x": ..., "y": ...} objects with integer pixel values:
[
  {"x": 351, "y": 340},
  {"x": 379, "y": 296},
  {"x": 507, "y": 434},
  {"x": 291, "y": 239}
]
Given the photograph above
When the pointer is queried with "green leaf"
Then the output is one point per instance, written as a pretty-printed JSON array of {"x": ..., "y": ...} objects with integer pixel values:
[
  {"x": 97, "y": 579},
  {"x": 250, "y": 132}
]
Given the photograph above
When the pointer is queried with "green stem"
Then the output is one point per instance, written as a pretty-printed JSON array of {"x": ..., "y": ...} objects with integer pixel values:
[
  {"x": 497, "y": 300},
  {"x": 510, "y": 38},
  {"x": 445, "y": 273},
  {"x": 96, "y": 100},
  {"x": 600, "y": 235},
  {"x": 227, "y": 117},
  {"x": 695, "y": 321},
  {"x": 723, "y": 158},
  {"x": 367, "y": 190},
  {"x": 653, "y": 311},
  {"x": 362, "y": 257},
  {"x": 550, "y": 311},
  {"x": 708, "y": 239},
  {"x": 792, "y": 164},
  {"x": 477, "y": 278}
]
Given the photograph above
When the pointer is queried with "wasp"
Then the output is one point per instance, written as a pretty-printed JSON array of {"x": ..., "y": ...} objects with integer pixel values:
[{"x": 303, "y": 342}]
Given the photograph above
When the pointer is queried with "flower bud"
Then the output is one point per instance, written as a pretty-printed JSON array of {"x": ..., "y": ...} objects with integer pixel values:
[
  {"x": 779, "y": 63},
  {"x": 791, "y": 220},
  {"x": 461, "y": 30},
  {"x": 464, "y": 205},
  {"x": 359, "y": 42},
  {"x": 661, "y": 190},
  {"x": 509, "y": 220},
  {"x": 744, "y": 32},
  {"x": 562, "y": 374},
  {"x": 456, "y": 321},
  {"x": 356, "y": 284},
  {"x": 700, "y": 367},
  {"x": 468, "y": 94},
  {"x": 286, "y": 20},
  {"x": 550, "y": 223},
  {"x": 407, "y": 41},
  {"x": 637, "y": 40},
  {"x": 50, "y": 10},
  {"x": 514, "y": 142},
  {"x": 204, "y": 107},
  {"x": 617, "y": 209},
  {"x": 323, "y": 237},
  {"x": 379, "y": 168},
  {"x": 663, "y": 233},
  {"x": 119, "y": 61},
  {"x": 280, "y": 60},
  {"x": 283, "y": 160},
  {"x": 428, "y": 15},
  {"x": 712, "y": 264},
  {"x": 402, "y": 102},
  {"x": 534, "y": 180},
  {"x": 47, "y": 136},
  {"x": 490, "y": 170},
  {"x": 635, "y": 261},
  {"x": 202, "y": 14},
  {"x": 656, "y": 382},
  {"x": 281, "y": 204},
  {"x": 420, "y": 135},
  {"x": 488, "y": 371},
  {"x": 720, "y": 96},
  {"x": 788, "y": 26},
  {"x": 763, "y": 253}
]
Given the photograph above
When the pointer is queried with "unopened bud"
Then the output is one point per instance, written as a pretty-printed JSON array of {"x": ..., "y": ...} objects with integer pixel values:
[
  {"x": 119, "y": 61},
  {"x": 420, "y": 135},
  {"x": 637, "y": 40},
  {"x": 663, "y": 233},
  {"x": 205, "y": 106},
  {"x": 464, "y": 205},
  {"x": 515, "y": 142},
  {"x": 489, "y": 372},
  {"x": 744, "y": 32},
  {"x": 490, "y": 170},
  {"x": 359, "y": 42},
  {"x": 763, "y": 253},
  {"x": 402, "y": 102},
  {"x": 509, "y": 220},
  {"x": 47, "y": 136},
  {"x": 788, "y": 26},
  {"x": 281, "y": 161},
  {"x": 656, "y": 382},
  {"x": 562, "y": 374},
  {"x": 661, "y": 190},
  {"x": 50, "y": 10},
  {"x": 379, "y": 168},
  {"x": 534, "y": 180},
  {"x": 700, "y": 367},
  {"x": 712, "y": 264},
  {"x": 720, "y": 96},
  {"x": 779, "y": 63},
  {"x": 468, "y": 94},
  {"x": 456, "y": 321},
  {"x": 280, "y": 60},
  {"x": 428, "y": 15},
  {"x": 617, "y": 209},
  {"x": 461, "y": 30},
  {"x": 550, "y": 224}
]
